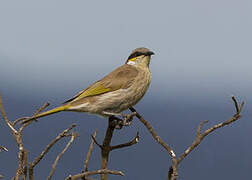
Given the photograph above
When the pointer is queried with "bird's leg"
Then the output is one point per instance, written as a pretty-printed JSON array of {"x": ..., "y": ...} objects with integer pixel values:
[
  {"x": 125, "y": 121},
  {"x": 117, "y": 122}
]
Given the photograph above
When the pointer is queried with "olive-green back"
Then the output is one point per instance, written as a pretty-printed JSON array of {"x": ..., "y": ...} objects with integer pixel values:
[{"x": 120, "y": 78}]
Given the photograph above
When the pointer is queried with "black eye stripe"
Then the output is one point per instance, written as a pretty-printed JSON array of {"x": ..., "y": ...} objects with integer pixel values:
[{"x": 135, "y": 54}]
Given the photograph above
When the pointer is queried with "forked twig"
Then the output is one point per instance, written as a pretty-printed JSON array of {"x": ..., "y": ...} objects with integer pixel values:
[
  {"x": 48, "y": 147},
  {"x": 36, "y": 113},
  {"x": 106, "y": 148},
  {"x": 73, "y": 136},
  {"x": 130, "y": 143},
  {"x": 96, "y": 142},
  {"x": 23, "y": 154},
  {"x": 2, "y": 148},
  {"x": 173, "y": 170}
]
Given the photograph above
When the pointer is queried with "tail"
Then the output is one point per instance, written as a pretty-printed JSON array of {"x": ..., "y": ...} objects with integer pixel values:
[{"x": 52, "y": 111}]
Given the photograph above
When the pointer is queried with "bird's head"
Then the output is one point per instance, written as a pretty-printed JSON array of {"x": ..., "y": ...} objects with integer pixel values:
[{"x": 140, "y": 57}]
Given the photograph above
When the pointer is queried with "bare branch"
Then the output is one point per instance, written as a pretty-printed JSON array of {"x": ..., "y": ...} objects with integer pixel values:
[
  {"x": 90, "y": 149},
  {"x": 74, "y": 135},
  {"x": 2, "y": 148},
  {"x": 36, "y": 113},
  {"x": 173, "y": 169},
  {"x": 241, "y": 106},
  {"x": 13, "y": 130},
  {"x": 25, "y": 164},
  {"x": 48, "y": 147},
  {"x": 102, "y": 171},
  {"x": 236, "y": 105},
  {"x": 173, "y": 172},
  {"x": 201, "y": 136},
  {"x": 18, "y": 137},
  {"x": 20, "y": 170},
  {"x": 95, "y": 141},
  {"x": 132, "y": 142},
  {"x": 154, "y": 134},
  {"x": 200, "y": 127},
  {"x": 105, "y": 150}
]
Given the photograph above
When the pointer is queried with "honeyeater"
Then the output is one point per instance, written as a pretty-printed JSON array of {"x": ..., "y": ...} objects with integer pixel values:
[{"x": 116, "y": 92}]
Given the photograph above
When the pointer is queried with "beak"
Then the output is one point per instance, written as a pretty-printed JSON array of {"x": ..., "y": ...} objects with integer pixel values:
[{"x": 149, "y": 53}]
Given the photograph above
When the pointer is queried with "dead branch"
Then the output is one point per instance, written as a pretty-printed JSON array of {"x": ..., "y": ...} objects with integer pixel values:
[
  {"x": 25, "y": 164},
  {"x": 23, "y": 154},
  {"x": 90, "y": 149},
  {"x": 36, "y": 113},
  {"x": 73, "y": 136},
  {"x": 17, "y": 134},
  {"x": 95, "y": 141},
  {"x": 2, "y": 148},
  {"x": 173, "y": 170},
  {"x": 130, "y": 143},
  {"x": 48, "y": 147},
  {"x": 28, "y": 120},
  {"x": 18, "y": 137},
  {"x": 106, "y": 148},
  {"x": 154, "y": 134},
  {"x": 13, "y": 130},
  {"x": 102, "y": 171}
]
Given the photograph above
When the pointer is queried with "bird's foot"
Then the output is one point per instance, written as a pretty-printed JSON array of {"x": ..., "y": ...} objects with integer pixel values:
[{"x": 125, "y": 121}]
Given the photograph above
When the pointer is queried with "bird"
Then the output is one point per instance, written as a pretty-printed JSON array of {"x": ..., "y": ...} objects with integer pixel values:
[{"x": 116, "y": 92}]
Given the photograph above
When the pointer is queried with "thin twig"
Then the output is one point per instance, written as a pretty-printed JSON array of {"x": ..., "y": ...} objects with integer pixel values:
[
  {"x": 154, "y": 134},
  {"x": 95, "y": 141},
  {"x": 36, "y": 113},
  {"x": 201, "y": 136},
  {"x": 14, "y": 131},
  {"x": 102, "y": 171},
  {"x": 241, "y": 106},
  {"x": 236, "y": 105},
  {"x": 2, "y": 148},
  {"x": 132, "y": 142},
  {"x": 200, "y": 127},
  {"x": 204, "y": 134},
  {"x": 18, "y": 137},
  {"x": 74, "y": 135},
  {"x": 90, "y": 149},
  {"x": 171, "y": 152},
  {"x": 173, "y": 170},
  {"x": 48, "y": 147}
]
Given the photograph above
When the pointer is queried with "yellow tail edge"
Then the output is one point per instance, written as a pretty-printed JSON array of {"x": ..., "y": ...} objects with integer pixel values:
[{"x": 52, "y": 111}]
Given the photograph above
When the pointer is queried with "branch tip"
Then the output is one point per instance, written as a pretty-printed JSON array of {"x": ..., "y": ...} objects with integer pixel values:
[
  {"x": 236, "y": 105},
  {"x": 94, "y": 139},
  {"x": 241, "y": 106},
  {"x": 2, "y": 148}
]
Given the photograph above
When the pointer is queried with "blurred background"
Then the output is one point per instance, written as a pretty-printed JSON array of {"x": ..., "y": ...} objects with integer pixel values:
[{"x": 50, "y": 50}]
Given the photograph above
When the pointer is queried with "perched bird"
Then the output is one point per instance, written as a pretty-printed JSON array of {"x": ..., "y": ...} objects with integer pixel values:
[{"x": 116, "y": 92}]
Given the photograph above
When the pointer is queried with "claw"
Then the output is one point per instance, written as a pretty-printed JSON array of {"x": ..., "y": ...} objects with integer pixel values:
[
  {"x": 125, "y": 121},
  {"x": 129, "y": 117}
]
